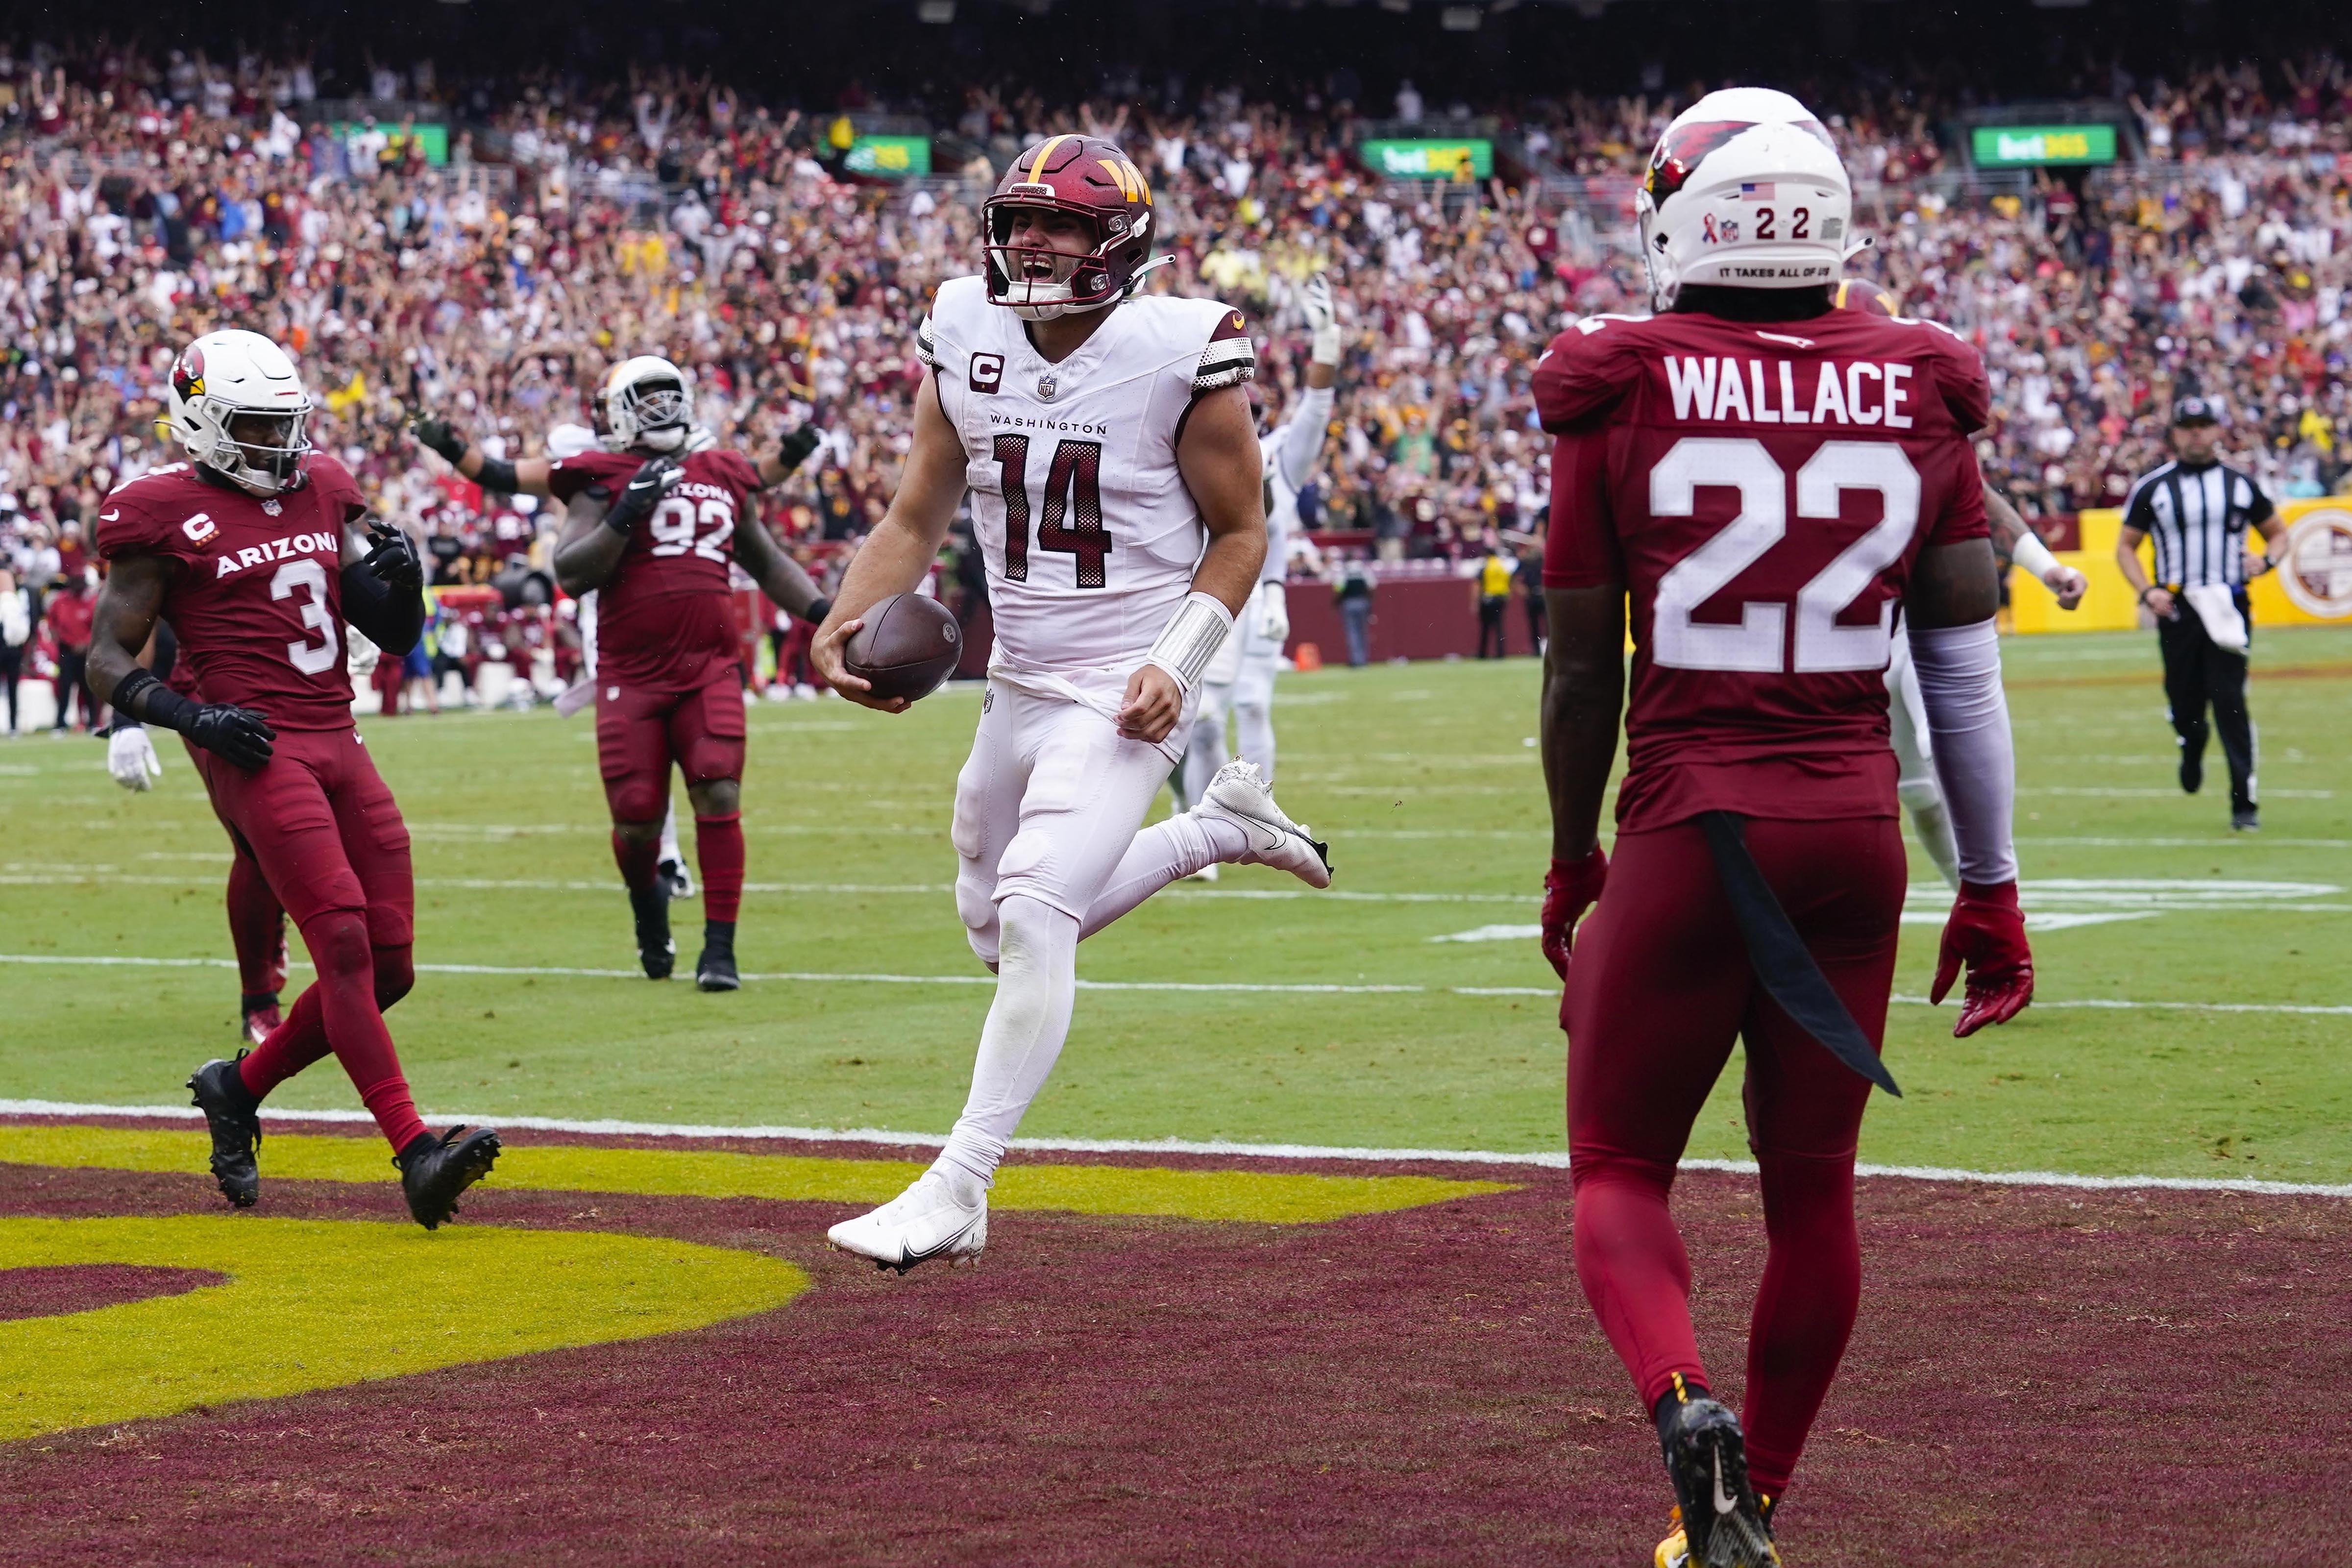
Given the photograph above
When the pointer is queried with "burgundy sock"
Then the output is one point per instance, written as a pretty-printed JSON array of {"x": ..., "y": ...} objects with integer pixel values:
[
  {"x": 639, "y": 860},
  {"x": 718, "y": 848},
  {"x": 1804, "y": 1308},
  {"x": 294, "y": 1044},
  {"x": 347, "y": 1014},
  {"x": 1631, "y": 1262},
  {"x": 257, "y": 928}
]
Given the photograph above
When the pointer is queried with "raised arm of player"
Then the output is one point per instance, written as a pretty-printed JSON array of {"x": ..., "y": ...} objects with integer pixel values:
[
  {"x": 524, "y": 476},
  {"x": 124, "y": 620},
  {"x": 2015, "y": 539},
  {"x": 598, "y": 523},
  {"x": 1953, "y": 591},
  {"x": 1217, "y": 454},
  {"x": 790, "y": 454},
  {"x": 383, "y": 584},
  {"x": 902, "y": 546},
  {"x": 779, "y": 575}
]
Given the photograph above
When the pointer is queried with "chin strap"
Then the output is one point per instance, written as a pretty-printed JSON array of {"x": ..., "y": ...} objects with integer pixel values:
[{"x": 1141, "y": 272}]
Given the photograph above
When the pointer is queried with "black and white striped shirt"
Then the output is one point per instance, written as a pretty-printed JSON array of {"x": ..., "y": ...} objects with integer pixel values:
[{"x": 2199, "y": 518}]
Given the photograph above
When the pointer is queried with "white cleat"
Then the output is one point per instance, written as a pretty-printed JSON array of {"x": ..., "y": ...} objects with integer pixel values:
[
  {"x": 920, "y": 1224},
  {"x": 1239, "y": 794}
]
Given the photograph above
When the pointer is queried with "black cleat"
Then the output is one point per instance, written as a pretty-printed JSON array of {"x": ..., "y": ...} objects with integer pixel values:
[
  {"x": 1722, "y": 1520},
  {"x": 434, "y": 1171},
  {"x": 654, "y": 949},
  {"x": 234, "y": 1118},
  {"x": 715, "y": 970},
  {"x": 2192, "y": 773},
  {"x": 2245, "y": 819}
]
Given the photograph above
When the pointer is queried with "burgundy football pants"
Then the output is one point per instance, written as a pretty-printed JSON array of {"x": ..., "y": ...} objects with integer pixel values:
[
  {"x": 1658, "y": 987},
  {"x": 328, "y": 835},
  {"x": 256, "y": 921}
]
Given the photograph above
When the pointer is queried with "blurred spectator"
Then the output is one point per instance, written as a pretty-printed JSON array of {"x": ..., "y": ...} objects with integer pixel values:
[
  {"x": 1490, "y": 591},
  {"x": 68, "y": 611},
  {"x": 1352, "y": 588},
  {"x": 17, "y": 615}
]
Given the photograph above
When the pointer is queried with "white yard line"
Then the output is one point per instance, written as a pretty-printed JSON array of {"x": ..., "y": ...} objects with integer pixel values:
[
  {"x": 1546, "y": 1160},
  {"x": 816, "y": 977}
]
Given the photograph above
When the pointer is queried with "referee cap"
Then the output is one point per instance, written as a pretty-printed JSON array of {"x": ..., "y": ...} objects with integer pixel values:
[{"x": 2194, "y": 411}]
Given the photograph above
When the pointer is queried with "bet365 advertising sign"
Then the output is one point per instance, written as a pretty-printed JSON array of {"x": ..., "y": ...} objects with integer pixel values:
[
  {"x": 1466, "y": 157},
  {"x": 2013, "y": 146},
  {"x": 889, "y": 157}
]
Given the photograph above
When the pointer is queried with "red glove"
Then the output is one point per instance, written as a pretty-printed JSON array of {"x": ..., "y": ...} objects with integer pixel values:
[
  {"x": 1571, "y": 887},
  {"x": 1987, "y": 932}
]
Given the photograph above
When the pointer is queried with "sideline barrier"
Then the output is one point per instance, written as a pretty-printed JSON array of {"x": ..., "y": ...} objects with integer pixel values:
[{"x": 2321, "y": 532}]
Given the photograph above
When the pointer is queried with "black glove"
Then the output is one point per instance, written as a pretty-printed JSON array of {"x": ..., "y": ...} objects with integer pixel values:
[
  {"x": 435, "y": 433},
  {"x": 393, "y": 561},
  {"x": 643, "y": 493},
  {"x": 798, "y": 443},
  {"x": 240, "y": 734}
]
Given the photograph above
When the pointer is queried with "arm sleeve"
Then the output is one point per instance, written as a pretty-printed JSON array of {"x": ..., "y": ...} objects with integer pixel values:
[
  {"x": 1302, "y": 439},
  {"x": 1581, "y": 546},
  {"x": 1967, "y": 718}
]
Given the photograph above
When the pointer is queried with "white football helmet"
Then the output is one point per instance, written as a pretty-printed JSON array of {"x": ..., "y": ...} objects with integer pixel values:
[
  {"x": 236, "y": 404},
  {"x": 1745, "y": 189},
  {"x": 648, "y": 406}
]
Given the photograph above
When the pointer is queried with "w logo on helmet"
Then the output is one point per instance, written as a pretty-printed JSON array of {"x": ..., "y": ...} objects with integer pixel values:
[{"x": 188, "y": 373}]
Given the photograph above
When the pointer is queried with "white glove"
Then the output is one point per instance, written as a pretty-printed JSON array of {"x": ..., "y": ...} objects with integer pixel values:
[
  {"x": 1322, "y": 319},
  {"x": 1273, "y": 612},
  {"x": 362, "y": 659},
  {"x": 131, "y": 758}
]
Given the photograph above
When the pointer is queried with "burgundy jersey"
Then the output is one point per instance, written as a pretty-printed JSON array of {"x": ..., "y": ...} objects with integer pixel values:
[
  {"x": 665, "y": 620},
  {"x": 257, "y": 593},
  {"x": 1761, "y": 492}
]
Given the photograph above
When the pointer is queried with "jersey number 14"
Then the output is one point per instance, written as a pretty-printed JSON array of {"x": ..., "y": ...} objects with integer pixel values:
[{"x": 1072, "y": 519}]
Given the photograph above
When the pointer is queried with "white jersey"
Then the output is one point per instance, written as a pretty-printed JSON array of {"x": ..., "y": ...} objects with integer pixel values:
[{"x": 1089, "y": 536}]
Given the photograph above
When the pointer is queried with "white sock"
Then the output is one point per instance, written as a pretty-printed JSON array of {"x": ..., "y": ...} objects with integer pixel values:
[
  {"x": 670, "y": 835},
  {"x": 1036, "y": 984},
  {"x": 1255, "y": 724},
  {"x": 1162, "y": 853}
]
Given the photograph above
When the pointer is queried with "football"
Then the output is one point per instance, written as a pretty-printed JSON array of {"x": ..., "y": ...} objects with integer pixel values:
[{"x": 909, "y": 645}]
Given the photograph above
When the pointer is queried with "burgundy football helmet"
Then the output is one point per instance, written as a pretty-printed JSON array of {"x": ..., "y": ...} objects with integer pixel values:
[{"x": 1087, "y": 178}]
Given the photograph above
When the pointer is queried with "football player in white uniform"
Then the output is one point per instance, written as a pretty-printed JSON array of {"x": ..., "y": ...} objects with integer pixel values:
[
  {"x": 1240, "y": 678},
  {"x": 1107, "y": 441}
]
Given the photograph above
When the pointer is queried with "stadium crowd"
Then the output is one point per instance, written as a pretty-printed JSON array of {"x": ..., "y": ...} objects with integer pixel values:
[{"x": 143, "y": 201}]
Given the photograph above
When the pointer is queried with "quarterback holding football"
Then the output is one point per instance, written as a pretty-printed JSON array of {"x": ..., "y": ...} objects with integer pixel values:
[{"x": 1107, "y": 440}]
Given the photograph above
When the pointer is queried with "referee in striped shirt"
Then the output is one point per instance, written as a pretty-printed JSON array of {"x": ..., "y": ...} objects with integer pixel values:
[{"x": 2198, "y": 509}]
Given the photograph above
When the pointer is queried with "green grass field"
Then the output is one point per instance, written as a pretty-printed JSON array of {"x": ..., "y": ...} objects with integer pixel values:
[{"x": 1425, "y": 779}]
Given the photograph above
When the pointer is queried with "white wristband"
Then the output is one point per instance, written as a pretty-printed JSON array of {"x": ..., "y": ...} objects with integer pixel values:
[
  {"x": 2034, "y": 556},
  {"x": 1324, "y": 348},
  {"x": 1191, "y": 639}
]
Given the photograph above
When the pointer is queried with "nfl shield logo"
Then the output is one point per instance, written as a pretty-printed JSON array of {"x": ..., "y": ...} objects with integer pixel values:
[
  {"x": 272, "y": 507},
  {"x": 1046, "y": 386}
]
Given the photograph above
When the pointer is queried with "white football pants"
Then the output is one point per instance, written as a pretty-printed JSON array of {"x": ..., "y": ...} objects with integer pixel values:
[
  {"x": 1048, "y": 850},
  {"x": 1916, "y": 785}
]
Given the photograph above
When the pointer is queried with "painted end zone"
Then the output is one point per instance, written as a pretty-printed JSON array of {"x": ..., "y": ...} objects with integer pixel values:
[
  {"x": 2033, "y": 1369},
  {"x": 1266, "y": 1197}
]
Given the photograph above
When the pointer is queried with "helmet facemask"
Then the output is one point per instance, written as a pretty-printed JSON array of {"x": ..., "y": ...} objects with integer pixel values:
[
  {"x": 1041, "y": 282},
  {"x": 648, "y": 406},
  {"x": 261, "y": 448}
]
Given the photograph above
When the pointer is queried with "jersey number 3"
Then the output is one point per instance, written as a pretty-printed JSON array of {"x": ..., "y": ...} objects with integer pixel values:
[
  {"x": 1754, "y": 643},
  {"x": 1072, "y": 521},
  {"x": 307, "y": 574}
]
